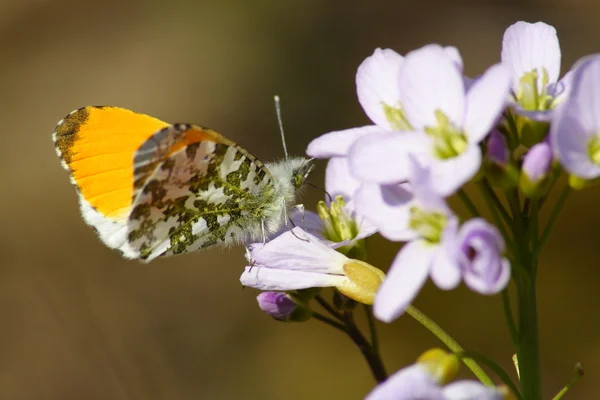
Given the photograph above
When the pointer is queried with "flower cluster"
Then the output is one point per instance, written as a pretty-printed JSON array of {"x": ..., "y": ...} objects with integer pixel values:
[{"x": 512, "y": 130}]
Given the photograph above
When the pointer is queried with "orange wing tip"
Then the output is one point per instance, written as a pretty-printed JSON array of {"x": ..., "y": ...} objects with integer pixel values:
[
  {"x": 64, "y": 133},
  {"x": 97, "y": 145}
]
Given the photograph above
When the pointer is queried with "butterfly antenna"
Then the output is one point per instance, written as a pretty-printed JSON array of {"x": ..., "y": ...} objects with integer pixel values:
[
  {"x": 279, "y": 120},
  {"x": 320, "y": 188}
]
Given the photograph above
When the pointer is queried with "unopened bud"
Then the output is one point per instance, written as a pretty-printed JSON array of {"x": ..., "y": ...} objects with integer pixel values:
[
  {"x": 497, "y": 165},
  {"x": 283, "y": 306},
  {"x": 536, "y": 168},
  {"x": 497, "y": 150},
  {"x": 441, "y": 365}
]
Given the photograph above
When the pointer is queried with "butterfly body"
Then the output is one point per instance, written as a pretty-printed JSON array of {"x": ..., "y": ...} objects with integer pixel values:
[{"x": 157, "y": 189}]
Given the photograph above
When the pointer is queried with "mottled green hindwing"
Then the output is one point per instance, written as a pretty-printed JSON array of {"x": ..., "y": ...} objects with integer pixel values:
[{"x": 205, "y": 193}]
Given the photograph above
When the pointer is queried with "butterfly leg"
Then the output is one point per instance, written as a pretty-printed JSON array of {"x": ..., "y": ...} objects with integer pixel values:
[
  {"x": 300, "y": 208},
  {"x": 249, "y": 258},
  {"x": 285, "y": 213}
]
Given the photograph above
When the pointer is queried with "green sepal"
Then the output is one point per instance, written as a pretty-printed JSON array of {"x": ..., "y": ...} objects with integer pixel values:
[
  {"x": 534, "y": 189},
  {"x": 578, "y": 183}
]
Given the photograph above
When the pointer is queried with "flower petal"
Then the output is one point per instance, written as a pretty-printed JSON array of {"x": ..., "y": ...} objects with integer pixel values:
[
  {"x": 409, "y": 383},
  {"x": 307, "y": 220},
  {"x": 299, "y": 250},
  {"x": 471, "y": 390},
  {"x": 337, "y": 143},
  {"x": 453, "y": 54},
  {"x": 377, "y": 84},
  {"x": 577, "y": 121},
  {"x": 430, "y": 82},
  {"x": 365, "y": 227},
  {"x": 386, "y": 207},
  {"x": 486, "y": 100},
  {"x": 445, "y": 272},
  {"x": 421, "y": 184},
  {"x": 448, "y": 175},
  {"x": 382, "y": 157},
  {"x": 527, "y": 47},
  {"x": 407, "y": 275},
  {"x": 479, "y": 252},
  {"x": 338, "y": 180},
  {"x": 497, "y": 285},
  {"x": 263, "y": 278}
]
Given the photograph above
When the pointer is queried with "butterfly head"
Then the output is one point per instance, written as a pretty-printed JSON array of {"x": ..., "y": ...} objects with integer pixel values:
[{"x": 301, "y": 172}]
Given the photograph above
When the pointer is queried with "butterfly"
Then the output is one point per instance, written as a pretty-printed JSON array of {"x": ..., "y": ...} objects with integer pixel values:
[{"x": 153, "y": 189}]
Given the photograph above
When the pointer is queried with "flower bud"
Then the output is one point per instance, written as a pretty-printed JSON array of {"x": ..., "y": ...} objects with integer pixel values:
[
  {"x": 497, "y": 150},
  {"x": 283, "y": 306},
  {"x": 497, "y": 163},
  {"x": 480, "y": 248},
  {"x": 441, "y": 365},
  {"x": 536, "y": 168}
]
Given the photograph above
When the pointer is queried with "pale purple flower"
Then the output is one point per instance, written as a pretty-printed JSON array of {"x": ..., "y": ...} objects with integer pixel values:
[
  {"x": 575, "y": 131},
  {"x": 532, "y": 52},
  {"x": 278, "y": 305},
  {"x": 298, "y": 260},
  {"x": 422, "y": 217},
  {"x": 446, "y": 123},
  {"x": 537, "y": 162},
  {"x": 378, "y": 91},
  {"x": 479, "y": 252},
  {"x": 436, "y": 247},
  {"x": 427, "y": 380}
]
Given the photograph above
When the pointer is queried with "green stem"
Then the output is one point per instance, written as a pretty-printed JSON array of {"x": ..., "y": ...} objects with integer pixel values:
[
  {"x": 368, "y": 351},
  {"x": 329, "y": 308},
  {"x": 495, "y": 216},
  {"x": 515, "y": 207},
  {"x": 495, "y": 368},
  {"x": 488, "y": 191},
  {"x": 532, "y": 229},
  {"x": 552, "y": 221},
  {"x": 464, "y": 197},
  {"x": 348, "y": 326},
  {"x": 528, "y": 351},
  {"x": 578, "y": 374},
  {"x": 449, "y": 342},
  {"x": 512, "y": 132},
  {"x": 329, "y": 321},
  {"x": 508, "y": 315},
  {"x": 372, "y": 329}
]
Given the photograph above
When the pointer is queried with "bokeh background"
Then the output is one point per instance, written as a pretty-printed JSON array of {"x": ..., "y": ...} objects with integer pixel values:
[{"x": 78, "y": 322}]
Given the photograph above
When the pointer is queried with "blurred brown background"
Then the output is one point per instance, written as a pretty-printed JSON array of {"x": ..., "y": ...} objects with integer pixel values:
[{"x": 78, "y": 322}]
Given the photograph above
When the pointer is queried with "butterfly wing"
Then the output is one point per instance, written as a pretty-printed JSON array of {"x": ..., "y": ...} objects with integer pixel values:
[
  {"x": 96, "y": 145},
  {"x": 195, "y": 189}
]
